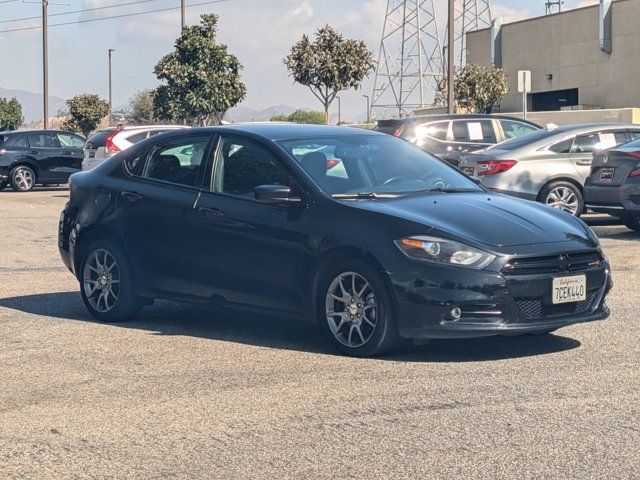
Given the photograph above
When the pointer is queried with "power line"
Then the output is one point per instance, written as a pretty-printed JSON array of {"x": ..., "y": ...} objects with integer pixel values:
[
  {"x": 78, "y": 11},
  {"x": 113, "y": 16}
]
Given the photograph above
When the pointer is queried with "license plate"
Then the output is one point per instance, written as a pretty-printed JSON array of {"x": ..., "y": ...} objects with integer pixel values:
[
  {"x": 607, "y": 174},
  {"x": 569, "y": 289},
  {"x": 469, "y": 171}
]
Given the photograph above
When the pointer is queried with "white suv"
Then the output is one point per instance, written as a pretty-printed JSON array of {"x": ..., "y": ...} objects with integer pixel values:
[{"x": 106, "y": 143}]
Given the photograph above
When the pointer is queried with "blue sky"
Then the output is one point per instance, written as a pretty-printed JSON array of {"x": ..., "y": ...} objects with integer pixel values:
[{"x": 259, "y": 32}]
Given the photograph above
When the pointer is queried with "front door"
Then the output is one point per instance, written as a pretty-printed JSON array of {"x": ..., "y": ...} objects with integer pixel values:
[
  {"x": 70, "y": 160},
  {"x": 249, "y": 252},
  {"x": 44, "y": 149},
  {"x": 157, "y": 214}
]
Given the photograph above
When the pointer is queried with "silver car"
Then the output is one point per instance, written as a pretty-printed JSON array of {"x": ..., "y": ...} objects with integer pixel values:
[{"x": 549, "y": 165}]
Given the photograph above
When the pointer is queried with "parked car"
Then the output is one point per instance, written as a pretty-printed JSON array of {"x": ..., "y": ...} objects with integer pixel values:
[
  {"x": 106, "y": 143},
  {"x": 32, "y": 157},
  {"x": 403, "y": 246},
  {"x": 614, "y": 184},
  {"x": 449, "y": 136},
  {"x": 549, "y": 166}
]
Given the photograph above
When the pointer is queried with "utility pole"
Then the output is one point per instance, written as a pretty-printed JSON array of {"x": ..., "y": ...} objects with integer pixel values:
[
  {"x": 183, "y": 13},
  {"x": 339, "y": 111},
  {"x": 368, "y": 109},
  {"x": 45, "y": 57},
  {"x": 111, "y": 50},
  {"x": 450, "y": 57}
]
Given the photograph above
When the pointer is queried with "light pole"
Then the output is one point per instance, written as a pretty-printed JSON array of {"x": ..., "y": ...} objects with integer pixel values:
[
  {"x": 451, "y": 56},
  {"x": 183, "y": 13},
  {"x": 368, "y": 111},
  {"x": 111, "y": 50},
  {"x": 339, "y": 110}
]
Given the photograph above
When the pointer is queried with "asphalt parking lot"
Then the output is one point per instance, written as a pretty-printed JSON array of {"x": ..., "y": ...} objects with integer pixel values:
[{"x": 185, "y": 392}]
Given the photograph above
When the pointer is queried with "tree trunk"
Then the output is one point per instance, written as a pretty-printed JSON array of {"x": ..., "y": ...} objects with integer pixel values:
[{"x": 326, "y": 113}]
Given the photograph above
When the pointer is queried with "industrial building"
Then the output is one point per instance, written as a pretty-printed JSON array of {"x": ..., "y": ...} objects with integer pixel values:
[{"x": 585, "y": 58}]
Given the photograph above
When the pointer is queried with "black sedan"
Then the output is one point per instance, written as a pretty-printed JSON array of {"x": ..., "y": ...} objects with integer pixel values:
[
  {"x": 387, "y": 243},
  {"x": 30, "y": 157},
  {"x": 614, "y": 184}
]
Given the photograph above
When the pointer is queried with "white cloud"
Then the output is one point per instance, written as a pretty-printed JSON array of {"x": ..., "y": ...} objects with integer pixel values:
[{"x": 510, "y": 14}]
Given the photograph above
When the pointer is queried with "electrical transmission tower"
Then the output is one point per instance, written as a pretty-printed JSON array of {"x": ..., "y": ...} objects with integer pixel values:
[
  {"x": 409, "y": 61},
  {"x": 554, "y": 6},
  {"x": 470, "y": 15}
]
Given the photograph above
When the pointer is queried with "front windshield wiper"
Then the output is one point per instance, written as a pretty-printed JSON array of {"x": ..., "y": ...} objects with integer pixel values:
[
  {"x": 452, "y": 190},
  {"x": 356, "y": 195}
]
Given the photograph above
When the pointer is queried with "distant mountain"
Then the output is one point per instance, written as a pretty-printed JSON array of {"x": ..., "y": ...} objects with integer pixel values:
[
  {"x": 243, "y": 113},
  {"x": 32, "y": 103}
]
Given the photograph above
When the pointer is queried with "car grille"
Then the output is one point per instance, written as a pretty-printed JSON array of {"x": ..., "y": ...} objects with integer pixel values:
[
  {"x": 570, "y": 262},
  {"x": 533, "y": 309}
]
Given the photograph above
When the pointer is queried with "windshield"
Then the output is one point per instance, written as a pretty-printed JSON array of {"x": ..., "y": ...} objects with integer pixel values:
[
  {"x": 372, "y": 164},
  {"x": 522, "y": 141}
]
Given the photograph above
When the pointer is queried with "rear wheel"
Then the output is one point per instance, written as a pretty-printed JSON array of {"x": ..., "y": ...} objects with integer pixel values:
[
  {"x": 3, "y": 185},
  {"x": 632, "y": 222},
  {"x": 564, "y": 196},
  {"x": 355, "y": 309},
  {"x": 106, "y": 283},
  {"x": 22, "y": 178}
]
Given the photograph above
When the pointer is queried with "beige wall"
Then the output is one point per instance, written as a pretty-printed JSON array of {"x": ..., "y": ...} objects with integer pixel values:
[{"x": 566, "y": 45}]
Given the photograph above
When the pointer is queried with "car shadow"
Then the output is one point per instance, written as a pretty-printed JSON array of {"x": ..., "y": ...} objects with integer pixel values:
[{"x": 169, "y": 318}]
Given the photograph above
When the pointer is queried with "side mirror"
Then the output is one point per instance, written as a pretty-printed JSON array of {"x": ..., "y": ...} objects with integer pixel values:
[{"x": 275, "y": 194}]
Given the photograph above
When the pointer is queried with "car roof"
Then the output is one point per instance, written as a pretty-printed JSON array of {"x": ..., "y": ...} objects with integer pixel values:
[
  {"x": 455, "y": 116},
  {"x": 281, "y": 131},
  {"x": 16, "y": 132}
]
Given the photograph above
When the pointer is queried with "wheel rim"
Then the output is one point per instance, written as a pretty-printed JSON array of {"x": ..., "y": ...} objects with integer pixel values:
[
  {"x": 563, "y": 198},
  {"x": 351, "y": 309},
  {"x": 24, "y": 179},
  {"x": 101, "y": 281}
]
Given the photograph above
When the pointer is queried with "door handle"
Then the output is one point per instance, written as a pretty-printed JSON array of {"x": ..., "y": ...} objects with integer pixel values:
[
  {"x": 34, "y": 152},
  {"x": 584, "y": 162},
  {"x": 67, "y": 152},
  {"x": 131, "y": 196},
  {"x": 210, "y": 212}
]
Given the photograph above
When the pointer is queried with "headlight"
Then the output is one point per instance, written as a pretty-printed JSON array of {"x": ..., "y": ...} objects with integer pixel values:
[{"x": 444, "y": 251}]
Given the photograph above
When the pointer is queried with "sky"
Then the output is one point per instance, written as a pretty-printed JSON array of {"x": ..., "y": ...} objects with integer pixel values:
[{"x": 259, "y": 32}]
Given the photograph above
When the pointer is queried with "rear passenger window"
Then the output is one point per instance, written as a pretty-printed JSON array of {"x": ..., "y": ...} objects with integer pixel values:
[
  {"x": 513, "y": 129},
  {"x": 19, "y": 141},
  {"x": 138, "y": 137},
  {"x": 177, "y": 161},
  {"x": 469, "y": 131},
  {"x": 438, "y": 130},
  {"x": 43, "y": 140},
  {"x": 563, "y": 146}
]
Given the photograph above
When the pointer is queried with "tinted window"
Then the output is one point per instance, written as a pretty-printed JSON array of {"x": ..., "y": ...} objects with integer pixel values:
[
  {"x": 16, "y": 141},
  {"x": 635, "y": 134},
  {"x": 563, "y": 146},
  {"x": 98, "y": 139},
  {"x": 138, "y": 137},
  {"x": 523, "y": 141},
  {"x": 42, "y": 140},
  {"x": 156, "y": 132},
  {"x": 471, "y": 131},
  {"x": 177, "y": 161},
  {"x": 437, "y": 130},
  {"x": 515, "y": 129},
  {"x": 242, "y": 165},
  {"x": 588, "y": 143},
  {"x": 70, "y": 140},
  {"x": 374, "y": 164}
]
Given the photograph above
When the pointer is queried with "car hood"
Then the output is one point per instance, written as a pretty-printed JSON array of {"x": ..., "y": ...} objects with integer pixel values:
[{"x": 485, "y": 218}]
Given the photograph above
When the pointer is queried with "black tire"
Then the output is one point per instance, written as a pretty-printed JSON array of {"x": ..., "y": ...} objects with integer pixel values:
[
  {"x": 545, "y": 198},
  {"x": 127, "y": 304},
  {"x": 632, "y": 222},
  {"x": 22, "y": 178},
  {"x": 383, "y": 337},
  {"x": 3, "y": 185}
]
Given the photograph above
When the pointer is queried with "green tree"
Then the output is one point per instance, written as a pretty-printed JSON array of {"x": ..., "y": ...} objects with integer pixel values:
[
  {"x": 11, "y": 117},
  {"x": 142, "y": 112},
  {"x": 302, "y": 116},
  {"x": 201, "y": 78},
  {"x": 329, "y": 65},
  {"x": 477, "y": 89},
  {"x": 85, "y": 113}
]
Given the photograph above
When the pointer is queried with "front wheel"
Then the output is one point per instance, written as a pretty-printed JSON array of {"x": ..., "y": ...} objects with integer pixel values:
[
  {"x": 564, "y": 196},
  {"x": 106, "y": 283},
  {"x": 3, "y": 185},
  {"x": 355, "y": 309},
  {"x": 22, "y": 178},
  {"x": 632, "y": 222}
]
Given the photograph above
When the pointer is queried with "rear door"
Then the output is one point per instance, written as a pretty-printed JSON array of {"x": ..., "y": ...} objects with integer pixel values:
[
  {"x": 71, "y": 153},
  {"x": 586, "y": 145},
  {"x": 44, "y": 148}
]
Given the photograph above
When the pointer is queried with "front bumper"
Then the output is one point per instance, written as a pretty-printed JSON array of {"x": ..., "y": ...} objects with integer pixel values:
[{"x": 492, "y": 303}]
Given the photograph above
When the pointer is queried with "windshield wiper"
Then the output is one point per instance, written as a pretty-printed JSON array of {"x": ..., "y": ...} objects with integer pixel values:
[
  {"x": 452, "y": 190},
  {"x": 357, "y": 195}
]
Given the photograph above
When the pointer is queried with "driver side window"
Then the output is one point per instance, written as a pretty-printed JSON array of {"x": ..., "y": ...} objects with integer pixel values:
[{"x": 243, "y": 165}]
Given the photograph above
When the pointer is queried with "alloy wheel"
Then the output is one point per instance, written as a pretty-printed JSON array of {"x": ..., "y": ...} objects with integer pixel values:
[
  {"x": 101, "y": 280},
  {"x": 351, "y": 309},
  {"x": 23, "y": 178},
  {"x": 563, "y": 198}
]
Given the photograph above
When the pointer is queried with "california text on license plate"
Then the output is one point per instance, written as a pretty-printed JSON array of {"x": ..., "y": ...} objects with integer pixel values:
[{"x": 569, "y": 289}]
